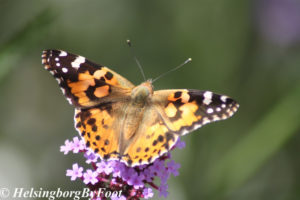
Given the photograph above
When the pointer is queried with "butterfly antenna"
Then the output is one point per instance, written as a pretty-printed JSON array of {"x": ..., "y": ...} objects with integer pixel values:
[
  {"x": 136, "y": 60},
  {"x": 182, "y": 64}
]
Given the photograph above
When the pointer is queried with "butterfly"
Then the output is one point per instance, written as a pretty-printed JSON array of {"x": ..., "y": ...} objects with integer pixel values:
[{"x": 121, "y": 121}]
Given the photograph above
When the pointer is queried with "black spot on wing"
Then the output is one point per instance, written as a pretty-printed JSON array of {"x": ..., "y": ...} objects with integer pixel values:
[
  {"x": 196, "y": 95},
  {"x": 177, "y": 94},
  {"x": 108, "y": 75},
  {"x": 94, "y": 128},
  {"x": 90, "y": 92},
  {"x": 89, "y": 66},
  {"x": 178, "y": 103},
  {"x": 91, "y": 121},
  {"x": 91, "y": 89},
  {"x": 83, "y": 133},
  {"x": 216, "y": 100},
  {"x": 85, "y": 114},
  {"x": 97, "y": 137}
]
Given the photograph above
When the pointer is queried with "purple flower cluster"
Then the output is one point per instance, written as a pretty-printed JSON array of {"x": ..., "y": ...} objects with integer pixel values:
[{"x": 134, "y": 182}]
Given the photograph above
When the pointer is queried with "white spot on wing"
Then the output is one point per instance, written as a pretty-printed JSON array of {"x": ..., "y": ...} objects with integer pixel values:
[
  {"x": 224, "y": 98},
  {"x": 210, "y": 110},
  {"x": 223, "y": 105},
  {"x": 69, "y": 100},
  {"x": 63, "y": 91},
  {"x": 218, "y": 109},
  {"x": 65, "y": 70},
  {"x": 76, "y": 63},
  {"x": 56, "y": 59},
  {"x": 207, "y": 97},
  {"x": 58, "y": 80},
  {"x": 63, "y": 53},
  {"x": 57, "y": 64}
]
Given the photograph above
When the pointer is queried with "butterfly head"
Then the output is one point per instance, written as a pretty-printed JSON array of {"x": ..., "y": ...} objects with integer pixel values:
[{"x": 142, "y": 92}]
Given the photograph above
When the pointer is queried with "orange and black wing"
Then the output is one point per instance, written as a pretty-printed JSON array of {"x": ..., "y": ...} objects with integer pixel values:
[
  {"x": 172, "y": 114},
  {"x": 84, "y": 83},
  {"x": 186, "y": 110},
  {"x": 100, "y": 128},
  {"x": 98, "y": 94}
]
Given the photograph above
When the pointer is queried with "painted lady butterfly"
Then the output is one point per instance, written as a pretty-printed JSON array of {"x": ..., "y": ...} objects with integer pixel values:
[{"x": 133, "y": 124}]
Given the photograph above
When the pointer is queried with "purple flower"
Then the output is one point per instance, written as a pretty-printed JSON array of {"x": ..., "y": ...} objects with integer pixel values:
[
  {"x": 180, "y": 144},
  {"x": 118, "y": 198},
  {"x": 173, "y": 167},
  {"x": 148, "y": 174},
  {"x": 157, "y": 167},
  {"x": 105, "y": 167},
  {"x": 127, "y": 173},
  {"x": 77, "y": 145},
  {"x": 163, "y": 190},
  {"x": 90, "y": 177},
  {"x": 75, "y": 172},
  {"x": 164, "y": 177},
  {"x": 135, "y": 182},
  {"x": 148, "y": 193},
  {"x": 91, "y": 157},
  {"x": 67, "y": 147}
]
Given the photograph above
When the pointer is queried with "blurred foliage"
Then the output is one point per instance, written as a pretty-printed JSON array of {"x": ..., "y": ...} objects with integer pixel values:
[
  {"x": 32, "y": 33},
  {"x": 235, "y": 49}
]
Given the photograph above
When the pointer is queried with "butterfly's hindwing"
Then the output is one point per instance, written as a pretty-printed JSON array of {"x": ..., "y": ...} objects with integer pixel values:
[
  {"x": 152, "y": 139},
  {"x": 99, "y": 128}
]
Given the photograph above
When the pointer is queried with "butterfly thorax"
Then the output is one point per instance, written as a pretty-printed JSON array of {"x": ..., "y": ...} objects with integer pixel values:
[
  {"x": 141, "y": 93},
  {"x": 134, "y": 113}
]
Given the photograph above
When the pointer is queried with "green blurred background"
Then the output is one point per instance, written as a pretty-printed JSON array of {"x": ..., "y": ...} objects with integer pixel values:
[{"x": 248, "y": 50}]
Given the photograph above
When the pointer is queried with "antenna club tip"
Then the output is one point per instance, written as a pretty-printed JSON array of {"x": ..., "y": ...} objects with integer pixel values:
[
  {"x": 128, "y": 42},
  {"x": 189, "y": 59}
]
